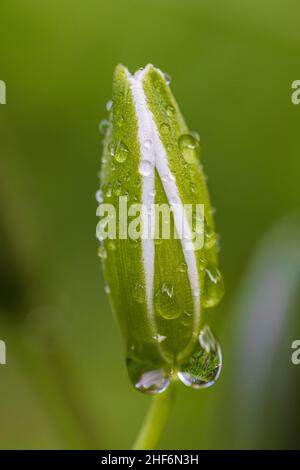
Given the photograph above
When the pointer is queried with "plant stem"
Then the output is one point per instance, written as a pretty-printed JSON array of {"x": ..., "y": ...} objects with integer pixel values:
[{"x": 155, "y": 420}]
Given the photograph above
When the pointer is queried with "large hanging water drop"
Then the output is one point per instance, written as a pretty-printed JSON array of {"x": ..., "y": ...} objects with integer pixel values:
[
  {"x": 147, "y": 379},
  {"x": 203, "y": 368}
]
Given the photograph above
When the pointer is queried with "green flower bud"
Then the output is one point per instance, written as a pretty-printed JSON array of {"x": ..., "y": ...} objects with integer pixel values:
[{"x": 158, "y": 241}]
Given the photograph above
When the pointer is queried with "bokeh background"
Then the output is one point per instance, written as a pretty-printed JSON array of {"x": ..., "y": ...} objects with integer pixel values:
[{"x": 232, "y": 64}]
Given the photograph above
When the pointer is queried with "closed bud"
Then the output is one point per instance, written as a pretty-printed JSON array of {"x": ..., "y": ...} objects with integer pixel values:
[{"x": 158, "y": 241}]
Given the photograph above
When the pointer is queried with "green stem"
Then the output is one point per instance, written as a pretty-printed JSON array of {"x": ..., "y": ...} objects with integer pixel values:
[{"x": 155, "y": 420}]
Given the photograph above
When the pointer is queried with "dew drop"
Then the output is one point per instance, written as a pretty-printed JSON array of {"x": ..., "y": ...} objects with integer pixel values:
[
  {"x": 139, "y": 293},
  {"x": 120, "y": 121},
  {"x": 189, "y": 147},
  {"x": 202, "y": 263},
  {"x": 99, "y": 196},
  {"x": 127, "y": 176},
  {"x": 145, "y": 168},
  {"x": 164, "y": 128},
  {"x": 109, "y": 105},
  {"x": 107, "y": 289},
  {"x": 167, "y": 78},
  {"x": 117, "y": 189},
  {"x": 196, "y": 135},
  {"x": 196, "y": 292},
  {"x": 159, "y": 338},
  {"x": 182, "y": 267},
  {"x": 203, "y": 367},
  {"x": 173, "y": 200},
  {"x": 210, "y": 237},
  {"x": 170, "y": 110},
  {"x": 111, "y": 149},
  {"x": 111, "y": 245},
  {"x": 108, "y": 190},
  {"x": 103, "y": 126},
  {"x": 134, "y": 243},
  {"x": 121, "y": 152},
  {"x": 146, "y": 378},
  {"x": 102, "y": 253},
  {"x": 147, "y": 143},
  {"x": 165, "y": 302},
  {"x": 213, "y": 286}
]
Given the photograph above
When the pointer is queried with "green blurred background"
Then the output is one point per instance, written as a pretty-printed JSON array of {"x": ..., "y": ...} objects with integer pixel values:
[{"x": 232, "y": 64}]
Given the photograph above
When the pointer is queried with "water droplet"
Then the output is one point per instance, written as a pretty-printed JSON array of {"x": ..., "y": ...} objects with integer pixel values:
[
  {"x": 182, "y": 267},
  {"x": 173, "y": 200},
  {"x": 134, "y": 243},
  {"x": 167, "y": 78},
  {"x": 121, "y": 152},
  {"x": 164, "y": 128},
  {"x": 196, "y": 135},
  {"x": 102, "y": 253},
  {"x": 138, "y": 183},
  {"x": 210, "y": 237},
  {"x": 109, "y": 105},
  {"x": 159, "y": 338},
  {"x": 196, "y": 292},
  {"x": 170, "y": 110},
  {"x": 147, "y": 143},
  {"x": 203, "y": 368},
  {"x": 147, "y": 379},
  {"x": 108, "y": 190},
  {"x": 107, "y": 289},
  {"x": 193, "y": 188},
  {"x": 189, "y": 147},
  {"x": 202, "y": 263},
  {"x": 117, "y": 190},
  {"x": 145, "y": 168},
  {"x": 139, "y": 293},
  {"x": 165, "y": 302},
  {"x": 111, "y": 149},
  {"x": 187, "y": 318},
  {"x": 213, "y": 286},
  {"x": 103, "y": 126},
  {"x": 99, "y": 196},
  {"x": 111, "y": 245},
  {"x": 120, "y": 121},
  {"x": 127, "y": 176}
]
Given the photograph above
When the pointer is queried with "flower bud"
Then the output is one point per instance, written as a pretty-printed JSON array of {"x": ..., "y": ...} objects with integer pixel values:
[{"x": 158, "y": 242}]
